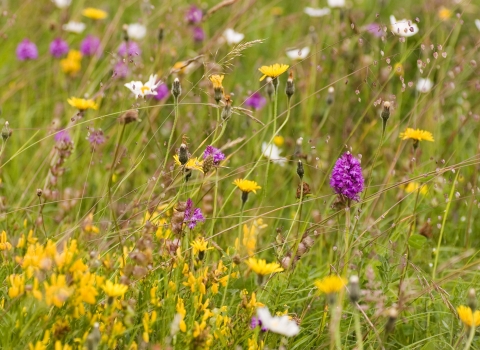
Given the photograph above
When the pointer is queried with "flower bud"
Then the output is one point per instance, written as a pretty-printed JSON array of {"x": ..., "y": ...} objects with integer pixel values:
[
  {"x": 330, "y": 96},
  {"x": 93, "y": 339},
  {"x": 472, "y": 299},
  {"x": 290, "y": 88},
  {"x": 176, "y": 88},
  {"x": 6, "y": 132},
  {"x": 227, "y": 110},
  {"x": 300, "y": 170},
  {"x": 354, "y": 289},
  {"x": 269, "y": 87},
  {"x": 386, "y": 111},
  {"x": 128, "y": 117},
  {"x": 183, "y": 154}
]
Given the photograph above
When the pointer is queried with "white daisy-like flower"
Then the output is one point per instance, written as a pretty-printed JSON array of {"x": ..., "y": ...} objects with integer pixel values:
[
  {"x": 272, "y": 152},
  {"x": 314, "y": 12},
  {"x": 298, "y": 54},
  {"x": 232, "y": 37},
  {"x": 336, "y": 3},
  {"x": 278, "y": 324},
  {"x": 74, "y": 27},
  {"x": 404, "y": 27},
  {"x": 136, "y": 31},
  {"x": 61, "y": 4},
  {"x": 141, "y": 89},
  {"x": 424, "y": 85},
  {"x": 477, "y": 23}
]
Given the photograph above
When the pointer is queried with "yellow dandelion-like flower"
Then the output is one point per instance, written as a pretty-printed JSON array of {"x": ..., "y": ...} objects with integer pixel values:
[
  {"x": 114, "y": 289},
  {"x": 279, "y": 140},
  {"x": 273, "y": 71},
  {"x": 417, "y": 135},
  {"x": 246, "y": 186},
  {"x": 193, "y": 163},
  {"x": 468, "y": 317},
  {"x": 413, "y": 186},
  {"x": 82, "y": 104},
  {"x": 94, "y": 13},
  {"x": 216, "y": 81},
  {"x": 200, "y": 245},
  {"x": 72, "y": 63},
  {"x": 261, "y": 267},
  {"x": 331, "y": 284},
  {"x": 444, "y": 13}
]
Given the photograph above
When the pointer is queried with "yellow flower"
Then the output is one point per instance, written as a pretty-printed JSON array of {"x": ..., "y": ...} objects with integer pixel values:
[
  {"x": 72, "y": 63},
  {"x": 199, "y": 245},
  {"x": 4, "y": 245},
  {"x": 57, "y": 292},
  {"x": 18, "y": 285},
  {"x": 444, "y": 13},
  {"x": 82, "y": 104},
  {"x": 468, "y": 317},
  {"x": 182, "y": 312},
  {"x": 417, "y": 135},
  {"x": 331, "y": 284},
  {"x": 114, "y": 289},
  {"x": 279, "y": 140},
  {"x": 398, "y": 69},
  {"x": 413, "y": 186},
  {"x": 94, "y": 13},
  {"x": 192, "y": 163},
  {"x": 217, "y": 81},
  {"x": 260, "y": 266},
  {"x": 246, "y": 185},
  {"x": 273, "y": 71}
]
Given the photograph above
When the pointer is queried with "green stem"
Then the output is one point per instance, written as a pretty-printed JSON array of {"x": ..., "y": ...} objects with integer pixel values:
[
  {"x": 358, "y": 330},
  {"x": 470, "y": 337},
  {"x": 175, "y": 102}
]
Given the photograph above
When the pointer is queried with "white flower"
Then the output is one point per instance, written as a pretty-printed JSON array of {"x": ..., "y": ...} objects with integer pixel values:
[
  {"x": 140, "y": 89},
  {"x": 61, "y": 4},
  {"x": 272, "y": 152},
  {"x": 313, "y": 12},
  {"x": 136, "y": 31},
  {"x": 477, "y": 23},
  {"x": 232, "y": 36},
  {"x": 74, "y": 27},
  {"x": 336, "y": 3},
  {"x": 404, "y": 27},
  {"x": 298, "y": 54},
  {"x": 277, "y": 324},
  {"x": 424, "y": 85}
]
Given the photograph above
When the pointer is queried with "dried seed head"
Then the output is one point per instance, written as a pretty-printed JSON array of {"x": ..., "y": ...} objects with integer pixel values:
[
  {"x": 39, "y": 192},
  {"x": 176, "y": 88},
  {"x": 306, "y": 190},
  {"x": 354, "y": 289},
  {"x": 129, "y": 116},
  {"x": 308, "y": 241}
]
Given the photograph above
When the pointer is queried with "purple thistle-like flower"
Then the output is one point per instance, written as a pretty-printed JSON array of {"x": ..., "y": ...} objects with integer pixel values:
[
  {"x": 162, "y": 92},
  {"x": 198, "y": 34},
  {"x": 194, "y": 15},
  {"x": 192, "y": 215},
  {"x": 90, "y": 46},
  {"x": 62, "y": 136},
  {"x": 375, "y": 29},
  {"x": 58, "y": 48},
  {"x": 129, "y": 48},
  {"x": 121, "y": 69},
  {"x": 347, "y": 178},
  {"x": 217, "y": 155},
  {"x": 255, "y": 322},
  {"x": 96, "y": 137},
  {"x": 27, "y": 50},
  {"x": 256, "y": 101}
]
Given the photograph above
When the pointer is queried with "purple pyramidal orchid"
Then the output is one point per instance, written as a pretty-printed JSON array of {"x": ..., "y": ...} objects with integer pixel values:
[
  {"x": 347, "y": 179},
  {"x": 192, "y": 215}
]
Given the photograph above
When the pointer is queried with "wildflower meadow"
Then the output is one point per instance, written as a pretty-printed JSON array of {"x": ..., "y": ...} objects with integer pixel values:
[{"x": 239, "y": 174}]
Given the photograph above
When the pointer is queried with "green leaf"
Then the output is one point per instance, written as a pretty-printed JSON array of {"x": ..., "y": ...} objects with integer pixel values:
[{"x": 417, "y": 241}]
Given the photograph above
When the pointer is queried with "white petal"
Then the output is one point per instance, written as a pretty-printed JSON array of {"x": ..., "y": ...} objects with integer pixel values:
[
  {"x": 477, "y": 23},
  {"x": 313, "y": 12},
  {"x": 74, "y": 27},
  {"x": 298, "y": 54},
  {"x": 402, "y": 27},
  {"x": 136, "y": 31},
  {"x": 232, "y": 36},
  {"x": 336, "y": 3},
  {"x": 61, "y": 4}
]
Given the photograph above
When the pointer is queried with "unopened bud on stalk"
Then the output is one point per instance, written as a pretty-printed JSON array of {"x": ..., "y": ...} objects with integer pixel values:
[
  {"x": 392, "y": 314},
  {"x": 227, "y": 110},
  {"x": 300, "y": 170},
  {"x": 39, "y": 192},
  {"x": 6, "y": 132},
  {"x": 385, "y": 115},
  {"x": 176, "y": 88},
  {"x": 125, "y": 32},
  {"x": 269, "y": 87},
  {"x": 93, "y": 339},
  {"x": 183, "y": 154},
  {"x": 290, "y": 88},
  {"x": 354, "y": 289},
  {"x": 330, "y": 96},
  {"x": 472, "y": 299},
  {"x": 128, "y": 117},
  {"x": 160, "y": 33}
]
